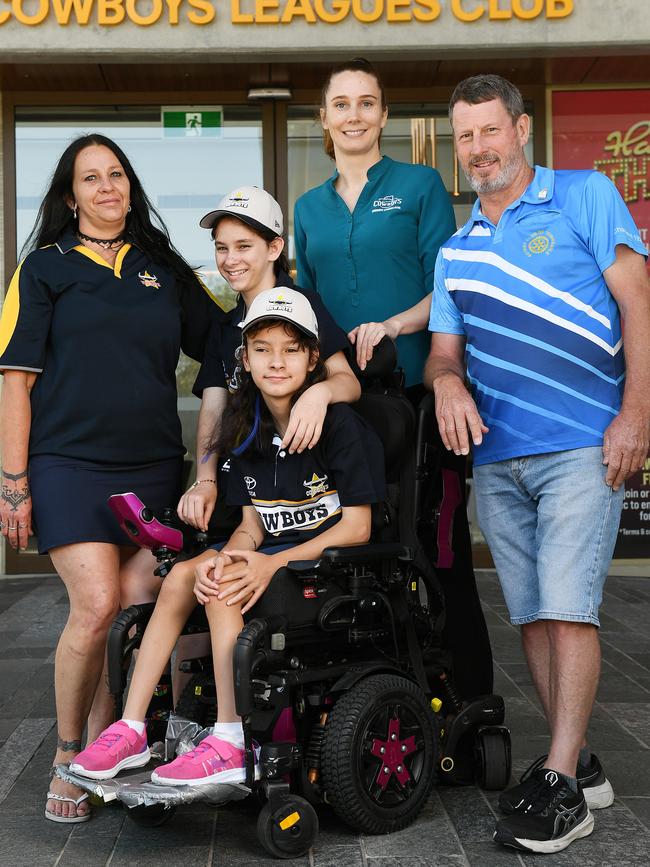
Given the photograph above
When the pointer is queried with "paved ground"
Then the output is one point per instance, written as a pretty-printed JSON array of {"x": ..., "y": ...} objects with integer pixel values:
[{"x": 455, "y": 828}]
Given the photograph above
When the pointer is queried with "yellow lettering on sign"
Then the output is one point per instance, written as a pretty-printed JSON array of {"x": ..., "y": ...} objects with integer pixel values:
[
  {"x": 262, "y": 16},
  {"x": 634, "y": 143},
  {"x": 524, "y": 10},
  {"x": 110, "y": 12},
  {"x": 173, "y": 5},
  {"x": 393, "y": 12},
  {"x": 37, "y": 18},
  {"x": 294, "y": 8},
  {"x": 457, "y": 7},
  {"x": 144, "y": 20},
  {"x": 5, "y": 16},
  {"x": 237, "y": 16},
  {"x": 429, "y": 11},
  {"x": 206, "y": 12},
  {"x": 497, "y": 13},
  {"x": 340, "y": 10},
  {"x": 558, "y": 8},
  {"x": 63, "y": 8},
  {"x": 368, "y": 17}
]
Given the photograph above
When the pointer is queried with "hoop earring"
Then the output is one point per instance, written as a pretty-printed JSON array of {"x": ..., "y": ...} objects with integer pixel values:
[{"x": 128, "y": 210}]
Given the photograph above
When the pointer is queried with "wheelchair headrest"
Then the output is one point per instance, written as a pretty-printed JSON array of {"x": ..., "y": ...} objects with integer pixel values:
[{"x": 381, "y": 365}]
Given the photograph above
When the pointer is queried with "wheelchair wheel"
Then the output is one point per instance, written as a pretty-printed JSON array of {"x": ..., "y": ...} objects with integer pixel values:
[
  {"x": 287, "y": 829},
  {"x": 380, "y": 753},
  {"x": 493, "y": 757},
  {"x": 150, "y": 817},
  {"x": 198, "y": 701}
]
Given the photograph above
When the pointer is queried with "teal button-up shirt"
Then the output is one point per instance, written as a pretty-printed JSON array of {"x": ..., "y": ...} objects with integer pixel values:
[{"x": 378, "y": 260}]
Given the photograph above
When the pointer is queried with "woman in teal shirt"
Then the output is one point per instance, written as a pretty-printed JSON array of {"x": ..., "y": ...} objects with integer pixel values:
[{"x": 366, "y": 241}]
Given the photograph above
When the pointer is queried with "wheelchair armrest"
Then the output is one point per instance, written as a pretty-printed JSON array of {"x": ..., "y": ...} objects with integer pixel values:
[
  {"x": 118, "y": 636},
  {"x": 302, "y": 567},
  {"x": 370, "y": 553}
]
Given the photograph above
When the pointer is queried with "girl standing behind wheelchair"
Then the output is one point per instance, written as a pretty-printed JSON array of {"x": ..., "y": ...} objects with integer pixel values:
[{"x": 294, "y": 506}]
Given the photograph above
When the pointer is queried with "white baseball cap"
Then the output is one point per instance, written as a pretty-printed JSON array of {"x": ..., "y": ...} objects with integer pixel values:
[
  {"x": 284, "y": 304},
  {"x": 252, "y": 205}
]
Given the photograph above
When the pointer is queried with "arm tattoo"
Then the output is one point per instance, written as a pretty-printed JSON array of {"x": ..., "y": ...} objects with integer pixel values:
[
  {"x": 16, "y": 497},
  {"x": 14, "y": 478}
]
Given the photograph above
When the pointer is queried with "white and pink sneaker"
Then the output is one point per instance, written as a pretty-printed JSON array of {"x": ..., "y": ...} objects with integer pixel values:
[
  {"x": 118, "y": 747},
  {"x": 213, "y": 761}
]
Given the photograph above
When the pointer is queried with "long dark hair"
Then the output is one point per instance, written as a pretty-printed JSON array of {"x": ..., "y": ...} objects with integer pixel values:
[
  {"x": 239, "y": 416},
  {"x": 357, "y": 64},
  {"x": 55, "y": 217}
]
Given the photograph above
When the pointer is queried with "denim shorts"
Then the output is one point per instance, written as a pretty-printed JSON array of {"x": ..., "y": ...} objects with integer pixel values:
[{"x": 551, "y": 523}]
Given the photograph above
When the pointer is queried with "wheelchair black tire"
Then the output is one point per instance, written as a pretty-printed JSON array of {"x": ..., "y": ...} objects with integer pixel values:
[
  {"x": 198, "y": 701},
  {"x": 359, "y": 723},
  {"x": 288, "y": 829},
  {"x": 493, "y": 758},
  {"x": 152, "y": 816}
]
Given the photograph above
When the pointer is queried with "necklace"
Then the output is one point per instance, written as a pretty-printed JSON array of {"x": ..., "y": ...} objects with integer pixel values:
[{"x": 107, "y": 243}]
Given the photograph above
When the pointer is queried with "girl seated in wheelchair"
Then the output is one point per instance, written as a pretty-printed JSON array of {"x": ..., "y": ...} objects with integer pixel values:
[{"x": 294, "y": 506}]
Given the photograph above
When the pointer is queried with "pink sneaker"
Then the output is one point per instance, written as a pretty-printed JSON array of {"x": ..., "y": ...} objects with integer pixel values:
[
  {"x": 118, "y": 747},
  {"x": 213, "y": 761}
]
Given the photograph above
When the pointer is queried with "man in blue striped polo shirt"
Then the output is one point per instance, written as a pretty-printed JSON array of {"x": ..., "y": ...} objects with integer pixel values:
[{"x": 530, "y": 298}]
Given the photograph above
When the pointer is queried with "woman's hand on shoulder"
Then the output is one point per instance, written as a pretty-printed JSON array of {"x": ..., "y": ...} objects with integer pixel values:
[
  {"x": 307, "y": 418},
  {"x": 367, "y": 335},
  {"x": 197, "y": 504},
  {"x": 246, "y": 578},
  {"x": 206, "y": 577}
]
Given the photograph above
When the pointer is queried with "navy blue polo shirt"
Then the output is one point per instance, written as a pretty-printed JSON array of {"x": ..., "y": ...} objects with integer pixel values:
[
  {"x": 220, "y": 366},
  {"x": 379, "y": 259},
  {"x": 299, "y": 496},
  {"x": 105, "y": 342}
]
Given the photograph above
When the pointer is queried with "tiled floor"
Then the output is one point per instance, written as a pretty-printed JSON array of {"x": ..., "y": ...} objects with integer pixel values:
[{"x": 455, "y": 827}]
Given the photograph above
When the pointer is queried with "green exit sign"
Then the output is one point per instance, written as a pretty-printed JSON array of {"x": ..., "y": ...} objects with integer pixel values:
[{"x": 192, "y": 121}]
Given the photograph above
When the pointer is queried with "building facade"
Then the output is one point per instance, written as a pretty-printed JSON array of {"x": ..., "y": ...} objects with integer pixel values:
[{"x": 207, "y": 94}]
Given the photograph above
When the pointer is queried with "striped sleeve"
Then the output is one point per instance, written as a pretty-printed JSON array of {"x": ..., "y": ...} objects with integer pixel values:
[
  {"x": 445, "y": 317},
  {"x": 25, "y": 322}
]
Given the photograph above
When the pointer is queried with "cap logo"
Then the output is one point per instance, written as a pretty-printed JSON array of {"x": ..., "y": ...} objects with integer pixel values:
[
  {"x": 238, "y": 200},
  {"x": 279, "y": 304}
]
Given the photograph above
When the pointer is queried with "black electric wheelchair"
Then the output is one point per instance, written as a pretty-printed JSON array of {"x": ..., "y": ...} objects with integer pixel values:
[{"x": 339, "y": 671}]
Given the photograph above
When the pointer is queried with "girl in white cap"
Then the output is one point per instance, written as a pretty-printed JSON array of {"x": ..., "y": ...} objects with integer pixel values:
[
  {"x": 247, "y": 228},
  {"x": 294, "y": 505}
]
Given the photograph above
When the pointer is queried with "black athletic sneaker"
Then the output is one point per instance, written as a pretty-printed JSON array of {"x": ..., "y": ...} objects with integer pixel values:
[
  {"x": 554, "y": 818},
  {"x": 597, "y": 789}
]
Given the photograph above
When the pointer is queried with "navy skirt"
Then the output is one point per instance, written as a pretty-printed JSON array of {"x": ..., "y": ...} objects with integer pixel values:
[{"x": 69, "y": 497}]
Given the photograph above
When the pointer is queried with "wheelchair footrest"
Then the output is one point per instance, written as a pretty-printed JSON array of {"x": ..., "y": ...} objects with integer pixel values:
[{"x": 136, "y": 789}]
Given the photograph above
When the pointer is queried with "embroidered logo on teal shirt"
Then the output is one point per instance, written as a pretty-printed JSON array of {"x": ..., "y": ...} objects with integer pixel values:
[{"x": 386, "y": 203}]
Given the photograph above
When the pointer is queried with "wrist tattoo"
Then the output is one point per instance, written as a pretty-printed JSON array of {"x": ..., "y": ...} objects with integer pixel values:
[
  {"x": 16, "y": 497},
  {"x": 16, "y": 477},
  {"x": 68, "y": 746}
]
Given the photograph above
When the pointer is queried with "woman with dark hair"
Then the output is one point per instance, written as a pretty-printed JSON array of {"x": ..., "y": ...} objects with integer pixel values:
[
  {"x": 92, "y": 326},
  {"x": 367, "y": 241},
  {"x": 293, "y": 506},
  {"x": 247, "y": 228}
]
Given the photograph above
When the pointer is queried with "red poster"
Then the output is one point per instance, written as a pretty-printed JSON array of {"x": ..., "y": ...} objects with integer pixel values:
[{"x": 609, "y": 130}]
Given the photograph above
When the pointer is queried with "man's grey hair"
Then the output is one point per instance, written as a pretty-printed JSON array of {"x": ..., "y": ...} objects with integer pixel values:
[{"x": 485, "y": 88}]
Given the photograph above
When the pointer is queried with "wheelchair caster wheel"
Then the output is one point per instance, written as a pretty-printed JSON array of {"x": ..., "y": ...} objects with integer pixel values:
[
  {"x": 493, "y": 757},
  {"x": 150, "y": 817},
  {"x": 287, "y": 829}
]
